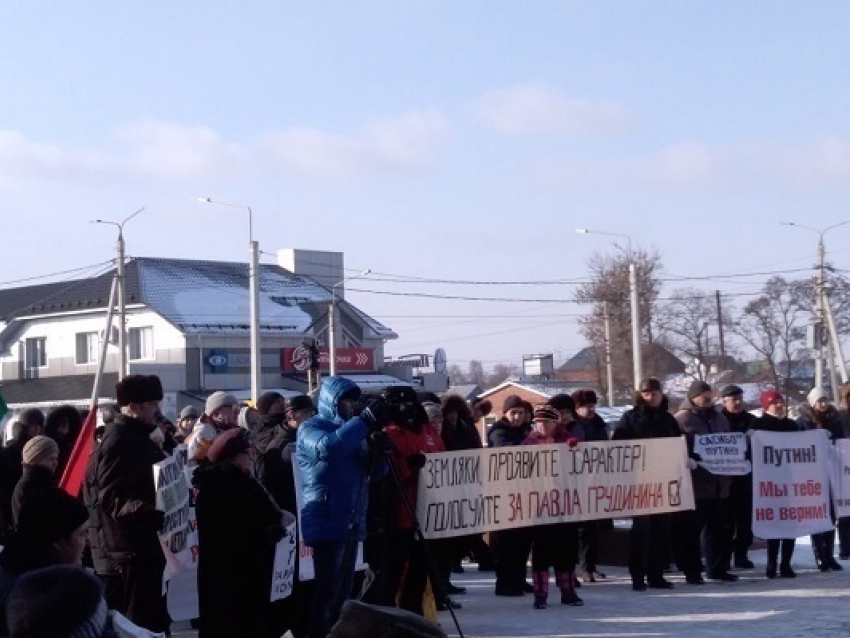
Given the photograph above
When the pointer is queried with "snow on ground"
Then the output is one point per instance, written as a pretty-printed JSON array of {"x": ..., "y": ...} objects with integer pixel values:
[{"x": 811, "y": 605}]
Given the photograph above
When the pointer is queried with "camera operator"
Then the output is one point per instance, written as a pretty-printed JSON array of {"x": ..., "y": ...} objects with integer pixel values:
[
  {"x": 333, "y": 461},
  {"x": 411, "y": 437}
]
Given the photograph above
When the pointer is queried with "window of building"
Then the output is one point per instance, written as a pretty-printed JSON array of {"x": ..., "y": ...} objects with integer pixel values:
[
  {"x": 88, "y": 344},
  {"x": 36, "y": 352},
  {"x": 140, "y": 343}
]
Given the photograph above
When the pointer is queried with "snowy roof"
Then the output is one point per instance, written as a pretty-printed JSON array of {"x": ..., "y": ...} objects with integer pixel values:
[
  {"x": 196, "y": 296},
  {"x": 368, "y": 382},
  {"x": 541, "y": 387}
]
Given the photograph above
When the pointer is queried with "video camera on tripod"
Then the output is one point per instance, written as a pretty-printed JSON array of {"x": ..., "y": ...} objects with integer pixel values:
[{"x": 399, "y": 405}]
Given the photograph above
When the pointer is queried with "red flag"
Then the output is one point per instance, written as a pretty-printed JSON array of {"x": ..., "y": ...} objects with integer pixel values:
[{"x": 75, "y": 471}]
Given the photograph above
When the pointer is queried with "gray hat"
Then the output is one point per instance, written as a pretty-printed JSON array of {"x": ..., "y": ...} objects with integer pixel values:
[
  {"x": 697, "y": 388},
  {"x": 731, "y": 391},
  {"x": 189, "y": 412},
  {"x": 39, "y": 448},
  {"x": 218, "y": 400}
]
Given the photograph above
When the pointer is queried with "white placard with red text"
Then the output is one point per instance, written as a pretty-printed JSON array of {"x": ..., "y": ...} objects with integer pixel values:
[
  {"x": 791, "y": 496},
  {"x": 476, "y": 491}
]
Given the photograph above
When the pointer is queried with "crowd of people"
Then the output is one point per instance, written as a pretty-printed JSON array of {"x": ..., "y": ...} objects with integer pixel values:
[{"x": 346, "y": 467}]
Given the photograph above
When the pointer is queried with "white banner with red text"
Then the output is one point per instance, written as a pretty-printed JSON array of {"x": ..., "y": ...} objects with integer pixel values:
[
  {"x": 475, "y": 491},
  {"x": 791, "y": 495}
]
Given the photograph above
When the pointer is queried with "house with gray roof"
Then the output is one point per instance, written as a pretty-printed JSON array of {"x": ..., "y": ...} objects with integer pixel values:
[{"x": 188, "y": 322}]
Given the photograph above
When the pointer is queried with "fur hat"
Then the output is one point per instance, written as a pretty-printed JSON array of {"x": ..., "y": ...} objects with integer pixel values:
[
  {"x": 562, "y": 402},
  {"x": 585, "y": 397},
  {"x": 138, "y": 388},
  {"x": 32, "y": 416},
  {"x": 48, "y": 515},
  {"x": 39, "y": 448},
  {"x": 228, "y": 444},
  {"x": 218, "y": 400},
  {"x": 61, "y": 600},
  {"x": 300, "y": 402},
  {"x": 650, "y": 384},
  {"x": 697, "y": 388},
  {"x": 769, "y": 397},
  {"x": 510, "y": 403},
  {"x": 189, "y": 412},
  {"x": 545, "y": 412},
  {"x": 816, "y": 395},
  {"x": 267, "y": 400}
]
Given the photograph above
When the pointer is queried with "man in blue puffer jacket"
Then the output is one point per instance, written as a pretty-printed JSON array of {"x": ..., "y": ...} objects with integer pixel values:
[{"x": 332, "y": 452}]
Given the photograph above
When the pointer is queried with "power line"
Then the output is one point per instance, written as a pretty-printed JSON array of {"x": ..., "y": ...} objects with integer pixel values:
[{"x": 56, "y": 274}]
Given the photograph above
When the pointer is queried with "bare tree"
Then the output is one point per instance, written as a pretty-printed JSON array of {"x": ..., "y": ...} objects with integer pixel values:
[
  {"x": 501, "y": 372},
  {"x": 476, "y": 373},
  {"x": 774, "y": 325},
  {"x": 688, "y": 323},
  {"x": 610, "y": 283},
  {"x": 456, "y": 375}
]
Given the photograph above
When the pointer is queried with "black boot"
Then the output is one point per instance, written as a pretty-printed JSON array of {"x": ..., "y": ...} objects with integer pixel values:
[{"x": 829, "y": 552}]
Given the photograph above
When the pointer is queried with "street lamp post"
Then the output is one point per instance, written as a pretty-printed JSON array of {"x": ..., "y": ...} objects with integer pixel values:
[
  {"x": 254, "y": 293},
  {"x": 823, "y": 313},
  {"x": 637, "y": 367},
  {"x": 122, "y": 294},
  {"x": 332, "y": 319}
]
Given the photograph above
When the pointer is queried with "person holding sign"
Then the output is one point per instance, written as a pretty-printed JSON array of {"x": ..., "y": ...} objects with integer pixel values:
[
  {"x": 511, "y": 546},
  {"x": 239, "y": 525},
  {"x": 649, "y": 539},
  {"x": 552, "y": 545},
  {"x": 775, "y": 419},
  {"x": 709, "y": 522},
  {"x": 818, "y": 414},
  {"x": 741, "y": 490}
]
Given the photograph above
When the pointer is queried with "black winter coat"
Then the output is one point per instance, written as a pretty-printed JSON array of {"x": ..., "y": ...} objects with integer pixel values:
[
  {"x": 594, "y": 428},
  {"x": 103, "y": 562},
  {"x": 773, "y": 424},
  {"x": 830, "y": 421},
  {"x": 35, "y": 478},
  {"x": 740, "y": 421},
  {"x": 462, "y": 436},
  {"x": 238, "y": 528},
  {"x": 125, "y": 490},
  {"x": 275, "y": 448},
  {"x": 503, "y": 434},
  {"x": 645, "y": 422}
]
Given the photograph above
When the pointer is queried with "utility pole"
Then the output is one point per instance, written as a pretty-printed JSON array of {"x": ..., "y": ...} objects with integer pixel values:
[
  {"x": 122, "y": 308},
  {"x": 819, "y": 314},
  {"x": 609, "y": 370},
  {"x": 121, "y": 293},
  {"x": 720, "y": 327},
  {"x": 820, "y": 303},
  {"x": 635, "y": 305},
  {"x": 636, "y": 353},
  {"x": 253, "y": 295},
  {"x": 332, "y": 319},
  {"x": 830, "y": 318}
]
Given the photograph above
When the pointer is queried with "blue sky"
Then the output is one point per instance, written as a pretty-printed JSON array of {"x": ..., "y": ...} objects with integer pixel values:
[{"x": 439, "y": 140}]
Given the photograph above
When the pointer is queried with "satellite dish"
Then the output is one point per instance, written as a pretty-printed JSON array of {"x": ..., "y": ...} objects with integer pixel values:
[{"x": 440, "y": 361}]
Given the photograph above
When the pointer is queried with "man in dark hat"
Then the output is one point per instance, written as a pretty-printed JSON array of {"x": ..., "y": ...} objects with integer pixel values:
[
  {"x": 649, "y": 538},
  {"x": 709, "y": 522},
  {"x": 126, "y": 500},
  {"x": 741, "y": 490}
]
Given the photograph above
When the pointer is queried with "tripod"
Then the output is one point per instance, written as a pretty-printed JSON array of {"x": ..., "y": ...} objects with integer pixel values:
[{"x": 378, "y": 450}]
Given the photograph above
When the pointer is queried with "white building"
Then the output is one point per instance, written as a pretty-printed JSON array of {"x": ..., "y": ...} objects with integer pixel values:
[{"x": 188, "y": 322}]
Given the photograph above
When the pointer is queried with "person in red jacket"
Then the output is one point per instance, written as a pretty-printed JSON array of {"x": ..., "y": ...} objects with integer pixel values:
[{"x": 411, "y": 437}]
